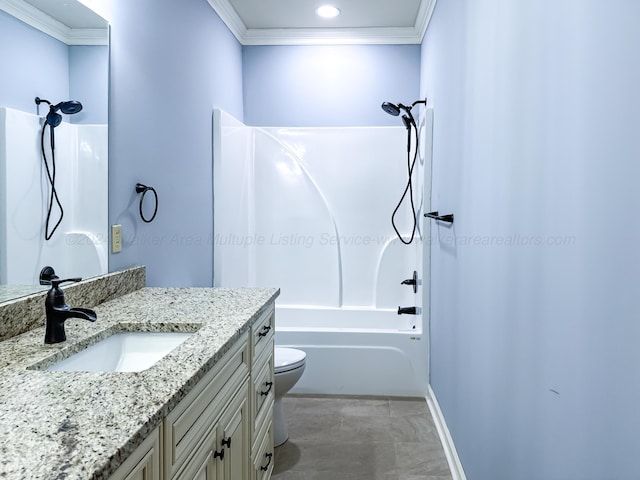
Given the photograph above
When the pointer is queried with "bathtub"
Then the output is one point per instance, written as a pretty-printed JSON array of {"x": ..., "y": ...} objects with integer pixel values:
[{"x": 357, "y": 350}]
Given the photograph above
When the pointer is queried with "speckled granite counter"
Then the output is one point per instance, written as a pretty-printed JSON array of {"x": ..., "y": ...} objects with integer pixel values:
[{"x": 82, "y": 425}]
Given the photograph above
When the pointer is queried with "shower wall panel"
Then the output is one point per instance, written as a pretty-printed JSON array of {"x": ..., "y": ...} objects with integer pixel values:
[
  {"x": 79, "y": 245},
  {"x": 309, "y": 210}
]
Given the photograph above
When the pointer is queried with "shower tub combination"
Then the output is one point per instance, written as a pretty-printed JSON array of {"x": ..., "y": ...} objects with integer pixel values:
[{"x": 308, "y": 210}]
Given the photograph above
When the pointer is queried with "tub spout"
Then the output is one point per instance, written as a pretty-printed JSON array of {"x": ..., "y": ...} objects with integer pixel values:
[{"x": 407, "y": 310}]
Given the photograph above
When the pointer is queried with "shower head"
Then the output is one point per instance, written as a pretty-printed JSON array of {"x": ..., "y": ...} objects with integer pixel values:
[
  {"x": 70, "y": 107},
  {"x": 53, "y": 117},
  {"x": 391, "y": 109},
  {"x": 395, "y": 110}
]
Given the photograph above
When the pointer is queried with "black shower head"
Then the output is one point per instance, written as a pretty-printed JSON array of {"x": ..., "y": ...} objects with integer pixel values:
[
  {"x": 70, "y": 107},
  {"x": 395, "y": 110},
  {"x": 53, "y": 117},
  {"x": 391, "y": 109}
]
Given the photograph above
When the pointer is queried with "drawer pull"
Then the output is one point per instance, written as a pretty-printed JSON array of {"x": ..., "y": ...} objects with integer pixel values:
[
  {"x": 269, "y": 385},
  {"x": 219, "y": 454},
  {"x": 227, "y": 442},
  {"x": 265, "y": 331},
  {"x": 266, "y": 467}
]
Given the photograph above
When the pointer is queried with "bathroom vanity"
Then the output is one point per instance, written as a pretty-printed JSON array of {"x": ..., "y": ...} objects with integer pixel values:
[{"x": 203, "y": 411}]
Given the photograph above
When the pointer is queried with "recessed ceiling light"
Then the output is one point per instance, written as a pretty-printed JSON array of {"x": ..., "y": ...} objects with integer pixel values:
[{"x": 327, "y": 11}]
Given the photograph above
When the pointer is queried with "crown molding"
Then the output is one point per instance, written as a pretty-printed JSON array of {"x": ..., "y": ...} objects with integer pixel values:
[
  {"x": 424, "y": 17},
  {"x": 229, "y": 16},
  {"x": 52, "y": 27},
  {"x": 87, "y": 36},
  {"x": 340, "y": 36},
  {"x": 309, "y": 36}
]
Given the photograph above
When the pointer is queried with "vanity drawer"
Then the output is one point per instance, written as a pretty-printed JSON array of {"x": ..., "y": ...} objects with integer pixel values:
[
  {"x": 263, "y": 386},
  {"x": 262, "y": 333},
  {"x": 186, "y": 424},
  {"x": 264, "y": 454}
]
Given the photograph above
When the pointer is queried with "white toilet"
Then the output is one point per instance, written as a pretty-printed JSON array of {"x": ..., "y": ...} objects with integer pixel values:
[{"x": 288, "y": 366}]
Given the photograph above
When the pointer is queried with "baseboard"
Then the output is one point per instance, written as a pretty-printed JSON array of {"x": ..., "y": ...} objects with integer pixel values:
[{"x": 457, "y": 473}]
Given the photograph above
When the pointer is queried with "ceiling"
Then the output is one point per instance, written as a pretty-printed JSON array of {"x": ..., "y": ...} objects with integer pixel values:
[
  {"x": 293, "y": 22},
  {"x": 71, "y": 14},
  {"x": 254, "y": 22}
]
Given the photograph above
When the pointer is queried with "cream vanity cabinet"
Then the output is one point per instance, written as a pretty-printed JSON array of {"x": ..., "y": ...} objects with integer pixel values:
[{"x": 222, "y": 429}]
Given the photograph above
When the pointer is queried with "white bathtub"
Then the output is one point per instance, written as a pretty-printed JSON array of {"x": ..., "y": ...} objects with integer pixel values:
[{"x": 356, "y": 351}]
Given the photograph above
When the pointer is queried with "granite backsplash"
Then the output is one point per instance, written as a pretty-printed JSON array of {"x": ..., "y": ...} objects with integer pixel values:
[{"x": 25, "y": 313}]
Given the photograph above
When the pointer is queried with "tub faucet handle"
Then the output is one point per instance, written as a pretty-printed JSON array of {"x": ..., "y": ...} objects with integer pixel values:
[{"x": 412, "y": 281}]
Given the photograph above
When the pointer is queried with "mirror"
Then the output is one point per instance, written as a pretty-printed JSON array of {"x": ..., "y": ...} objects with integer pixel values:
[{"x": 56, "y": 50}]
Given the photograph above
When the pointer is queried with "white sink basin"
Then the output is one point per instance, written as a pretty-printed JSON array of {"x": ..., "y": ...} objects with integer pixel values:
[{"x": 122, "y": 352}]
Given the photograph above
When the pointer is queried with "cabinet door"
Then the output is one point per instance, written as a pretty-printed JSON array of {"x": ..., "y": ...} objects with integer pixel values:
[
  {"x": 143, "y": 463},
  {"x": 234, "y": 437},
  {"x": 205, "y": 469},
  {"x": 205, "y": 464}
]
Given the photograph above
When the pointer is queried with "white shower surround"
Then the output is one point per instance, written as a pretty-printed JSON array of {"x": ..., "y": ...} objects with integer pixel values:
[
  {"x": 79, "y": 245},
  {"x": 308, "y": 210}
]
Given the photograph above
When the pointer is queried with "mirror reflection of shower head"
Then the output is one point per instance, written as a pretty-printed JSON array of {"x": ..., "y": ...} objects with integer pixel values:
[
  {"x": 53, "y": 117},
  {"x": 69, "y": 107},
  {"x": 391, "y": 109}
]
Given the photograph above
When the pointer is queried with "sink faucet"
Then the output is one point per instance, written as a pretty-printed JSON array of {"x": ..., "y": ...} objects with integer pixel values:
[{"x": 58, "y": 311}]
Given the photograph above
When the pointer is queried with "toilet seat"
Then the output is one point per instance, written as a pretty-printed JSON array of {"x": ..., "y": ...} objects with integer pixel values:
[{"x": 286, "y": 359}]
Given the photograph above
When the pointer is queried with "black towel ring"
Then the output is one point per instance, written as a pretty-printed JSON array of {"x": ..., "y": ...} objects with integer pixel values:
[{"x": 143, "y": 189}]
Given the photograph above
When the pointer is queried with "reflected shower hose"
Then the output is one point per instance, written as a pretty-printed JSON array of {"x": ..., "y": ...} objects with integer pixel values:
[
  {"x": 54, "y": 119},
  {"x": 51, "y": 174},
  {"x": 411, "y": 126}
]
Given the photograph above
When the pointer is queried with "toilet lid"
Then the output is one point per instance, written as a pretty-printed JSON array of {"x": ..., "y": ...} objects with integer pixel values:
[{"x": 288, "y": 359}]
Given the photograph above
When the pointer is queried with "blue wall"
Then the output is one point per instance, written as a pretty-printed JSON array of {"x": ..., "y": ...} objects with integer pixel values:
[
  {"x": 535, "y": 305},
  {"x": 89, "y": 82},
  {"x": 32, "y": 65},
  {"x": 172, "y": 62},
  {"x": 328, "y": 85}
]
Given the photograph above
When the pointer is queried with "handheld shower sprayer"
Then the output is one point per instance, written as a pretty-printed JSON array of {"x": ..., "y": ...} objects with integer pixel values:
[
  {"x": 410, "y": 124},
  {"x": 393, "y": 109},
  {"x": 53, "y": 119}
]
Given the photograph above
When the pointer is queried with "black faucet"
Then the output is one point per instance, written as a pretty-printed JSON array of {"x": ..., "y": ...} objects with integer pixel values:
[{"x": 58, "y": 311}]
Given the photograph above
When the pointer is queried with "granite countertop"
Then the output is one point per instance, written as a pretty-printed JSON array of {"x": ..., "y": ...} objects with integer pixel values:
[{"x": 83, "y": 425}]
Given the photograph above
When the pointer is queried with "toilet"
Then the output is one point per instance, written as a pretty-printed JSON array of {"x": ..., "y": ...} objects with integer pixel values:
[{"x": 288, "y": 366}]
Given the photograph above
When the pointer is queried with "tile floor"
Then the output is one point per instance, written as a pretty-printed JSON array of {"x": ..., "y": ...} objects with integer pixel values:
[{"x": 359, "y": 438}]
